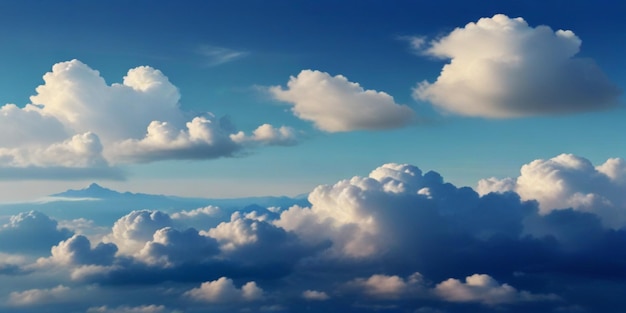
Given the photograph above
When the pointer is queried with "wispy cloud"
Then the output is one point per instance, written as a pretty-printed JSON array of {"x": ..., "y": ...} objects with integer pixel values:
[{"x": 219, "y": 55}]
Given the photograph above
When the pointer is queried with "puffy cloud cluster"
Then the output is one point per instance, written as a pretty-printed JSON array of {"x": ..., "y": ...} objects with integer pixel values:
[
  {"x": 484, "y": 289},
  {"x": 502, "y": 67},
  {"x": 334, "y": 104},
  {"x": 390, "y": 287},
  {"x": 224, "y": 290},
  {"x": 569, "y": 181},
  {"x": 394, "y": 238},
  {"x": 80, "y": 124},
  {"x": 31, "y": 297},
  {"x": 32, "y": 233}
]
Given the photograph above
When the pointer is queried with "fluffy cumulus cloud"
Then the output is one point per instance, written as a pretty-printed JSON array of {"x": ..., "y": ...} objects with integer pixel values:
[
  {"x": 224, "y": 290},
  {"x": 77, "y": 250},
  {"x": 501, "y": 67},
  {"x": 484, "y": 289},
  {"x": 569, "y": 181},
  {"x": 390, "y": 286},
  {"x": 32, "y": 297},
  {"x": 170, "y": 247},
  {"x": 335, "y": 104},
  {"x": 79, "y": 124},
  {"x": 131, "y": 232},
  {"x": 31, "y": 232},
  {"x": 315, "y": 295}
]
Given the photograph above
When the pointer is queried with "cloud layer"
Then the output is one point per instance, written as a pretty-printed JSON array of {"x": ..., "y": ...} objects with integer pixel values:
[
  {"x": 501, "y": 67},
  {"x": 397, "y": 238}
]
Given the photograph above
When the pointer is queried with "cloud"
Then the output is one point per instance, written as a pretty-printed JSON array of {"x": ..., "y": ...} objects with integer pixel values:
[
  {"x": 31, "y": 232},
  {"x": 40, "y": 296},
  {"x": 131, "y": 232},
  {"x": 81, "y": 126},
  {"x": 268, "y": 135},
  {"x": 127, "y": 309},
  {"x": 170, "y": 247},
  {"x": 315, "y": 295},
  {"x": 390, "y": 287},
  {"x": 357, "y": 245},
  {"x": 484, "y": 289},
  {"x": 219, "y": 55},
  {"x": 223, "y": 290},
  {"x": 203, "y": 138},
  {"x": 500, "y": 67},
  {"x": 77, "y": 250},
  {"x": 335, "y": 104},
  {"x": 569, "y": 181}
]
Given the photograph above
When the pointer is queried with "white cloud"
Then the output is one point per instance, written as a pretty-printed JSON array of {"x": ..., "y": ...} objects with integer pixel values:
[
  {"x": 203, "y": 138},
  {"x": 501, "y": 67},
  {"x": 128, "y": 309},
  {"x": 484, "y": 289},
  {"x": 390, "y": 287},
  {"x": 354, "y": 214},
  {"x": 170, "y": 247},
  {"x": 239, "y": 231},
  {"x": 315, "y": 295},
  {"x": 569, "y": 181},
  {"x": 31, "y": 232},
  {"x": 335, "y": 104},
  {"x": 268, "y": 135},
  {"x": 40, "y": 296},
  {"x": 131, "y": 232},
  {"x": 223, "y": 290},
  {"x": 79, "y": 126},
  {"x": 219, "y": 55},
  {"x": 77, "y": 250},
  {"x": 208, "y": 211}
]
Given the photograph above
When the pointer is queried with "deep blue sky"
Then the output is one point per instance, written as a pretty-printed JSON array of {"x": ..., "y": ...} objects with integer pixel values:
[{"x": 357, "y": 39}]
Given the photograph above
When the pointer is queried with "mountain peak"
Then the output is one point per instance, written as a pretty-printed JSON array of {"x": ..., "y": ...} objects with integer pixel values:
[{"x": 92, "y": 191}]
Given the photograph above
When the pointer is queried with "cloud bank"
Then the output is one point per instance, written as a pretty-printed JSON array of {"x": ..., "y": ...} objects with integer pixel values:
[{"x": 398, "y": 238}]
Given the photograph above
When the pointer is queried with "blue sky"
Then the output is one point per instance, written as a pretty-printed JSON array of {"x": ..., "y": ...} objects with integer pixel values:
[
  {"x": 270, "y": 42},
  {"x": 456, "y": 156}
]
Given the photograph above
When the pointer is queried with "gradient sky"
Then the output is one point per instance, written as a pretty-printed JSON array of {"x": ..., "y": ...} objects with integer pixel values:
[
  {"x": 379, "y": 111},
  {"x": 224, "y": 55}
]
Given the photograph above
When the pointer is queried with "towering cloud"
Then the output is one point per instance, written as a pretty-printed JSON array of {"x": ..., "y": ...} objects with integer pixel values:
[{"x": 502, "y": 67}]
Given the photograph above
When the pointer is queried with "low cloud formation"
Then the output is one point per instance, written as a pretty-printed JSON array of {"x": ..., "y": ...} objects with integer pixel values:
[
  {"x": 31, "y": 233},
  {"x": 32, "y": 297},
  {"x": 501, "y": 67},
  {"x": 68, "y": 127},
  {"x": 390, "y": 287},
  {"x": 128, "y": 309},
  {"x": 314, "y": 295},
  {"x": 224, "y": 290},
  {"x": 484, "y": 289},
  {"x": 398, "y": 238},
  {"x": 334, "y": 104},
  {"x": 569, "y": 181}
]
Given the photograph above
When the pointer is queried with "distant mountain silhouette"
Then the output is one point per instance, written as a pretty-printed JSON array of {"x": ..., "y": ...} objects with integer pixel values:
[
  {"x": 113, "y": 203},
  {"x": 92, "y": 191}
]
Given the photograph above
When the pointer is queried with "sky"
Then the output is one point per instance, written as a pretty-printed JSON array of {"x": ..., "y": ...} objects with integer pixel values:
[
  {"x": 223, "y": 58},
  {"x": 456, "y": 156}
]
